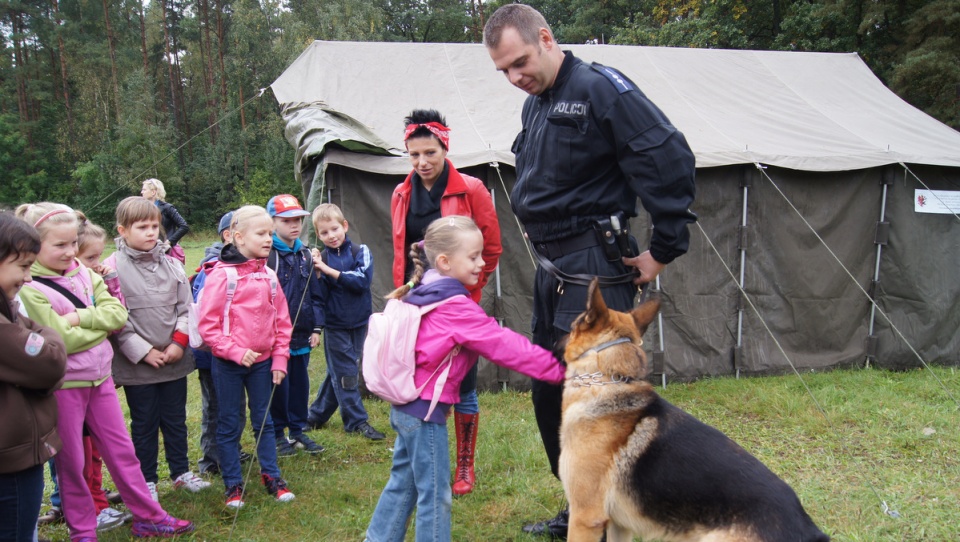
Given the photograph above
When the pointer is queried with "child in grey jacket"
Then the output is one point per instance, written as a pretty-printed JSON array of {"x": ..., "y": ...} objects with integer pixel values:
[{"x": 152, "y": 358}]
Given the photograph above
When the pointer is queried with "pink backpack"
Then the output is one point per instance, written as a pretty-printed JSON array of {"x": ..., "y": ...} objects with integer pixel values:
[{"x": 389, "y": 354}]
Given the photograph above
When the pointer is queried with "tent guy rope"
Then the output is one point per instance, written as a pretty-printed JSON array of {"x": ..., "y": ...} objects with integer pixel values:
[
  {"x": 136, "y": 178},
  {"x": 893, "y": 326}
]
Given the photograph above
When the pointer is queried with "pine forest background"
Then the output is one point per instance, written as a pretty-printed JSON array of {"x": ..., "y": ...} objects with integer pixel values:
[{"x": 101, "y": 94}]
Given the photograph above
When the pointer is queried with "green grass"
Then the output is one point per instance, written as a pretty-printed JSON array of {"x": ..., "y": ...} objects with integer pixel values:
[{"x": 886, "y": 437}]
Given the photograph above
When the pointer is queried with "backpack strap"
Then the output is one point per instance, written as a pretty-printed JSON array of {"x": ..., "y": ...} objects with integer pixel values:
[
  {"x": 71, "y": 297},
  {"x": 354, "y": 250},
  {"x": 232, "y": 282},
  {"x": 231, "y": 290},
  {"x": 445, "y": 365}
]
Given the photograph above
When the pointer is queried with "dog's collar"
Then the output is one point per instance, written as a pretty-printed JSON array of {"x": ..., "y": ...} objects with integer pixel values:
[
  {"x": 598, "y": 378},
  {"x": 608, "y": 344}
]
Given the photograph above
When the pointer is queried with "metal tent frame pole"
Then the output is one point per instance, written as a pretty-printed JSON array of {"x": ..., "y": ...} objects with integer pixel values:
[
  {"x": 742, "y": 248},
  {"x": 881, "y": 238},
  {"x": 498, "y": 300}
]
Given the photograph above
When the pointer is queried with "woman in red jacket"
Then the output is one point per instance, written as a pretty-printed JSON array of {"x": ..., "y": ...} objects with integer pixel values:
[{"x": 432, "y": 190}]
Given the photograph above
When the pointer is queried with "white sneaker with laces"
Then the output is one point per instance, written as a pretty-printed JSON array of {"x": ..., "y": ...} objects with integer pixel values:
[
  {"x": 191, "y": 481},
  {"x": 109, "y": 519},
  {"x": 152, "y": 486}
]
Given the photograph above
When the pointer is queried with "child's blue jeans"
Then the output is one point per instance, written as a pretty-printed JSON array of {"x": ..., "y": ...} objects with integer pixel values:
[
  {"x": 419, "y": 477},
  {"x": 232, "y": 380}
]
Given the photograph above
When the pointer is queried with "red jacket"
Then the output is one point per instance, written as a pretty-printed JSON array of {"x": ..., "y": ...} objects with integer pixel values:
[{"x": 465, "y": 196}]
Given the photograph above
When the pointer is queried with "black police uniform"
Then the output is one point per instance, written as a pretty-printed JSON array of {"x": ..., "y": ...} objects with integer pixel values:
[{"x": 590, "y": 146}]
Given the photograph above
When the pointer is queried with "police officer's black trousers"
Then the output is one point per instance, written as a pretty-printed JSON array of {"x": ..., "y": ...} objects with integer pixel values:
[{"x": 555, "y": 306}]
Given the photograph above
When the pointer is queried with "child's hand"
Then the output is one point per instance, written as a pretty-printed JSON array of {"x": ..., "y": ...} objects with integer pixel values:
[
  {"x": 249, "y": 357},
  {"x": 278, "y": 377},
  {"x": 315, "y": 252},
  {"x": 154, "y": 358},
  {"x": 173, "y": 353},
  {"x": 314, "y": 340},
  {"x": 324, "y": 269},
  {"x": 72, "y": 318},
  {"x": 103, "y": 270}
]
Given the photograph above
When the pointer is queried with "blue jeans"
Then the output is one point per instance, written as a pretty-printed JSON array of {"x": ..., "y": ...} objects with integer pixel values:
[
  {"x": 289, "y": 407},
  {"x": 469, "y": 403},
  {"x": 231, "y": 380},
  {"x": 156, "y": 408},
  {"x": 55, "y": 494},
  {"x": 343, "y": 349},
  {"x": 208, "y": 421},
  {"x": 20, "y": 496},
  {"x": 420, "y": 476}
]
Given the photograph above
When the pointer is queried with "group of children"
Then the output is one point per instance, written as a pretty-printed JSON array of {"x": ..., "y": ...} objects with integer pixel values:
[
  {"x": 265, "y": 301},
  {"x": 124, "y": 322}
]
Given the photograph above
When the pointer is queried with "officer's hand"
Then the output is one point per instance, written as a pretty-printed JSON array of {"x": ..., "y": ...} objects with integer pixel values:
[{"x": 646, "y": 265}]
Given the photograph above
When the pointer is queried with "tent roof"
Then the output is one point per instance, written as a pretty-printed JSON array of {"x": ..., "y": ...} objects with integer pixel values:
[{"x": 803, "y": 111}]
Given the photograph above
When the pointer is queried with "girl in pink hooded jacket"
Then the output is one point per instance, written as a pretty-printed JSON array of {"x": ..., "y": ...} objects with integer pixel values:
[
  {"x": 250, "y": 342},
  {"x": 420, "y": 475}
]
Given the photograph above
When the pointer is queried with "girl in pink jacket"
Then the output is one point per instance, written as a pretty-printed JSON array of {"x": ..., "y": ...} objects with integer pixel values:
[
  {"x": 420, "y": 475},
  {"x": 250, "y": 341}
]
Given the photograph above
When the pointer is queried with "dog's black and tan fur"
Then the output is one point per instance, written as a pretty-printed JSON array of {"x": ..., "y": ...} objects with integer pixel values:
[{"x": 633, "y": 464}]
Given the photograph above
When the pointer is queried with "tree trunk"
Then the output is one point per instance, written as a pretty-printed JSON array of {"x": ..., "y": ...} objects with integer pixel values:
[
  {"x": 113, "y": 57},
  {"x": 65, "y": 87},
  {"x": 206, "y": 57},
  {"x": 172, "y": 77},
  {"x": 221, "y": 40},
  {"x": 143, "y": 41},
  {"x": 185, "y": 119},
  {"x": 19, "y": 58}
]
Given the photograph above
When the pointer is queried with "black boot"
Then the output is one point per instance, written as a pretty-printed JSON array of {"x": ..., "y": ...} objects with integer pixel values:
[{"x": 555, "y": 527}]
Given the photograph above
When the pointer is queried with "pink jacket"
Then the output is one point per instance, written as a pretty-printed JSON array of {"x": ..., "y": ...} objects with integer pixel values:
[
  {"x": 254, "y": 322},
  {"x": 90, "y": 354},
  {"x": 461, "y": 321}
]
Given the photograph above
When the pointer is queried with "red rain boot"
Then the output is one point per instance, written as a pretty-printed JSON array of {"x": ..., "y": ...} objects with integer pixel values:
[{"x": 466, "y": 426}]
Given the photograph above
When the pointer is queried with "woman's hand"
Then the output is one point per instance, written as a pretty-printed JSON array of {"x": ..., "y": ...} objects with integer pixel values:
[
  {"x": 72, "y": 318},
  {"x": 278, "y": 377}
]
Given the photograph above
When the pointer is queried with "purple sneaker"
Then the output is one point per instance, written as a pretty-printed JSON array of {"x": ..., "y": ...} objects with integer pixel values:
[{"x": 167, "y": 527}]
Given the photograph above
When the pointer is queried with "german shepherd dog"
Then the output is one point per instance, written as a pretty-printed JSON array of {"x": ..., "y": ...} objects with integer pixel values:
[{"x": 633, "y": 464}]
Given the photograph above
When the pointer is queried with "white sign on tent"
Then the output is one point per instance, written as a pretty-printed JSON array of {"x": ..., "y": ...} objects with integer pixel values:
[{"x": 946, "y": 202}]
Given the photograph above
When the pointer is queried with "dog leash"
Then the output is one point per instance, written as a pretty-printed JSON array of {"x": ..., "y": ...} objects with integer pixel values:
[{"x": 578, "y": 278}]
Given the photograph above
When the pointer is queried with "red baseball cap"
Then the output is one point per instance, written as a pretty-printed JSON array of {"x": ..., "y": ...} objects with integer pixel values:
[{"x": 285, "y": 206}]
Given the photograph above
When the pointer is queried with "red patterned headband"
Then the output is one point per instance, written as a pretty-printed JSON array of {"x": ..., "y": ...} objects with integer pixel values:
[{"x": 437, "y": 129}]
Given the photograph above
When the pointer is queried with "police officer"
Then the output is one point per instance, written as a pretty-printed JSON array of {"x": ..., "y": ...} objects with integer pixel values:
[{"x": 591, "y": 144}]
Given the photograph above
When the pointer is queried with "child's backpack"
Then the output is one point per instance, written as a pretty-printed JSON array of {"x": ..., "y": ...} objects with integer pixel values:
[
  {"x": 233, "y": 279},
  {"x": 389, "y": 354}
]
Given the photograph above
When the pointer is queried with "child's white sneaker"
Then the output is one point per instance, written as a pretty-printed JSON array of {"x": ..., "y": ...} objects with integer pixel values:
[
  {"x": 190, "y": 481},
  {"x": 152, "y": 486}
]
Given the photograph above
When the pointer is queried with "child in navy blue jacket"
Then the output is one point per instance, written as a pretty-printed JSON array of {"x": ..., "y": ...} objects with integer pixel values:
[
  {"x": 293, "y": 263},
  {"x": 347, "y": 271}
]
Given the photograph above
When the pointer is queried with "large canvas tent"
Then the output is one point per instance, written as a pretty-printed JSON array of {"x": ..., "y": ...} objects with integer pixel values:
[{"x": 807, "y": 168}]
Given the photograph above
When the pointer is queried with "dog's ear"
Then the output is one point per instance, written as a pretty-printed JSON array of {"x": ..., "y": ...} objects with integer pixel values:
[
  {"x": 645, "y": 313},
  {"x": 596, "y": 306}
]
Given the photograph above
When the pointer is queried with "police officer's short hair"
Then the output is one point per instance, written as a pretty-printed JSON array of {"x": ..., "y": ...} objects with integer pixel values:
[{"x": 526, "y": 20}]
